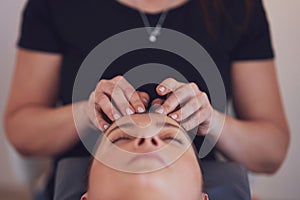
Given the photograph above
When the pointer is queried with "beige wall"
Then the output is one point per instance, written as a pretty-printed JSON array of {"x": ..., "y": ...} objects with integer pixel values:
[
  {"x": 10, "y": 164},
  {"x": 284, "y": 17},
  {"x": 285, "y": 22},
  {"x": 16, "y": 173}
]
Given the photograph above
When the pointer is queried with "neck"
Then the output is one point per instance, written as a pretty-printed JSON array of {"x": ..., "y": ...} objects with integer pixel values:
[{"x": 152, "y": 6}]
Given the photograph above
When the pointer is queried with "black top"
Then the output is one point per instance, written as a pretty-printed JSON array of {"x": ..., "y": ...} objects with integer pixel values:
[{"x": 74, "y": 27}]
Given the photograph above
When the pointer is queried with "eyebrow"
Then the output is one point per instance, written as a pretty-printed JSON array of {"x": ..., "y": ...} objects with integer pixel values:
[{"x": 128, "y": 125}]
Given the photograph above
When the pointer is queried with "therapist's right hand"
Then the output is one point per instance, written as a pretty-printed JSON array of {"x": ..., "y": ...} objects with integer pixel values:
[{"x": 113, "y": 98}]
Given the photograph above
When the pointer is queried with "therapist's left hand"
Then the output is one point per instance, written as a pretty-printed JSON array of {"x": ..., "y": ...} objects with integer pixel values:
[{"x": 186, "y": 104}]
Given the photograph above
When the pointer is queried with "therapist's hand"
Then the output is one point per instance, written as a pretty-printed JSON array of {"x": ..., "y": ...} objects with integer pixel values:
[
  {"x": 186, "y": 104},
  {"x": 113, "y": 98}
]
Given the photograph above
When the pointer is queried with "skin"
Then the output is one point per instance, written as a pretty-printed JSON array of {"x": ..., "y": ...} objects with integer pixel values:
[
  {"x": 126, "y": 101},
  {"x": 152, "y": 7},
  {"x": 179, "y": 179},
  {"x": 258, "y": 138}
]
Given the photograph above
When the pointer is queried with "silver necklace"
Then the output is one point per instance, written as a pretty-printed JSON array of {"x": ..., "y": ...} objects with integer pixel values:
[{"x": 156, "y": 31}]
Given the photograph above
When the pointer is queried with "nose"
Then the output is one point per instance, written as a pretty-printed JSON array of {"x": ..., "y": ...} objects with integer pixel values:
[{"x": 146, "y": 145}]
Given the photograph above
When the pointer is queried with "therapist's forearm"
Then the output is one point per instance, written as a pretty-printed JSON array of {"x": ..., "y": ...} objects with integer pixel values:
[
  {"x": 42, "y": 131},
  {"x": 260, "y": 145}
]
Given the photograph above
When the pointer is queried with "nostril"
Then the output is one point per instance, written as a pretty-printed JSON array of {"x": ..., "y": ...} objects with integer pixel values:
[
  {"x": 142, "y": 140},
  {"x": 154, "y": 141}
]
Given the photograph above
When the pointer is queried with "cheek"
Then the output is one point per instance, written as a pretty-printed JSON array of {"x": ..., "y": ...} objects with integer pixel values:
[{"x": 126, "y": 146}]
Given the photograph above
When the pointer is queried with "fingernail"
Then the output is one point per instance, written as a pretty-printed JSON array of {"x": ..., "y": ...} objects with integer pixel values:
[
  {"x": 116, "y": 116},
  {"x": 140, "y": 109},
  {"x": 162, "y": 89},
  {"x": 174, "y": 116},
  {"x": 105, "y": 126},
  {"x": 129, "y": 111},
  {"x": 160, "y": 110}
]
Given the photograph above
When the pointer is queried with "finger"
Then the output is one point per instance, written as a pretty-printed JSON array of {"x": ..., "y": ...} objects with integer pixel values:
[
  {"x": 155, "y": 104},
  {"x": 200, "y": 119},
  {"x": 103, "y": 104},
  {"x": 105, "y": 86},
  {"x": 112, "y": 89},
  {"x": 206, "y": 120},
  {"x": 120, "y": 101},
  {"x": 167, "y": 86},
  {"x": 131, "y": 94},
  {"x": 178, "y": 97},
  {"x": 194, "y": 104},
  {"x": 102, "y": 124},
  {"x": 192, "y": 122},
  {"x": 157, "y": 101},
  {"x": 145, "y": 98},
  {"x": 91, "y": 111},
  {"x": 135, "y": 100}
]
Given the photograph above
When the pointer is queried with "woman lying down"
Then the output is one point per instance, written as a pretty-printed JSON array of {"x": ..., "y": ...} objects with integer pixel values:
[{"x": 145, "y": 157}]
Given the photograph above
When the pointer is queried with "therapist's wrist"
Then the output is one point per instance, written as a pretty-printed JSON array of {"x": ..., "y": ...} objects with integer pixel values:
[
  {"x": 216, "y": 125},
  {"x": 81, "y": 117}
]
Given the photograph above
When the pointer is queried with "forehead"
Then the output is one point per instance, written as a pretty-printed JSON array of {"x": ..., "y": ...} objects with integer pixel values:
[{"x": 146, "y": 119}]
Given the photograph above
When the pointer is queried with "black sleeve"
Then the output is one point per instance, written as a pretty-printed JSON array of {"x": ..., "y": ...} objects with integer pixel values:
[
  {"x": 255, "y": 42},
  {"x": 37, "y": 29}
]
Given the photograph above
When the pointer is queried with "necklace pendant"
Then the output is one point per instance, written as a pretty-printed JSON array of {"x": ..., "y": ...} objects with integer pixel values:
[{"x": 152, "y": 38}]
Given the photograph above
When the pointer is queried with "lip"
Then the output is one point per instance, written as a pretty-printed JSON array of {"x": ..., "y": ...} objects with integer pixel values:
[{"x": 146, "y": 156}]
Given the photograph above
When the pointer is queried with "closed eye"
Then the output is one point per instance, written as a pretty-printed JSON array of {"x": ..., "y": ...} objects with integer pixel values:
[
  {"x": 123, "y": 137},
  {"x": 172, "y": 139}
]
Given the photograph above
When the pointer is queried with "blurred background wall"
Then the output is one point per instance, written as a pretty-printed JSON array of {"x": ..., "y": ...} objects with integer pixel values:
[
  {"x": 284, "y": 17},
  {"x": 17, "y": 174},
  {"x": 12, "y": 167}
]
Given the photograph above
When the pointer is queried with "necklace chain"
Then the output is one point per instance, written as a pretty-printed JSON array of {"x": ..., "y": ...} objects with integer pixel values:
[{"x": 156, "y": 30}]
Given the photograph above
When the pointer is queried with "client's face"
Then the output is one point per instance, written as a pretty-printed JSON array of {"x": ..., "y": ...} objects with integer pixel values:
[{"x": 145, "y": 156}]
